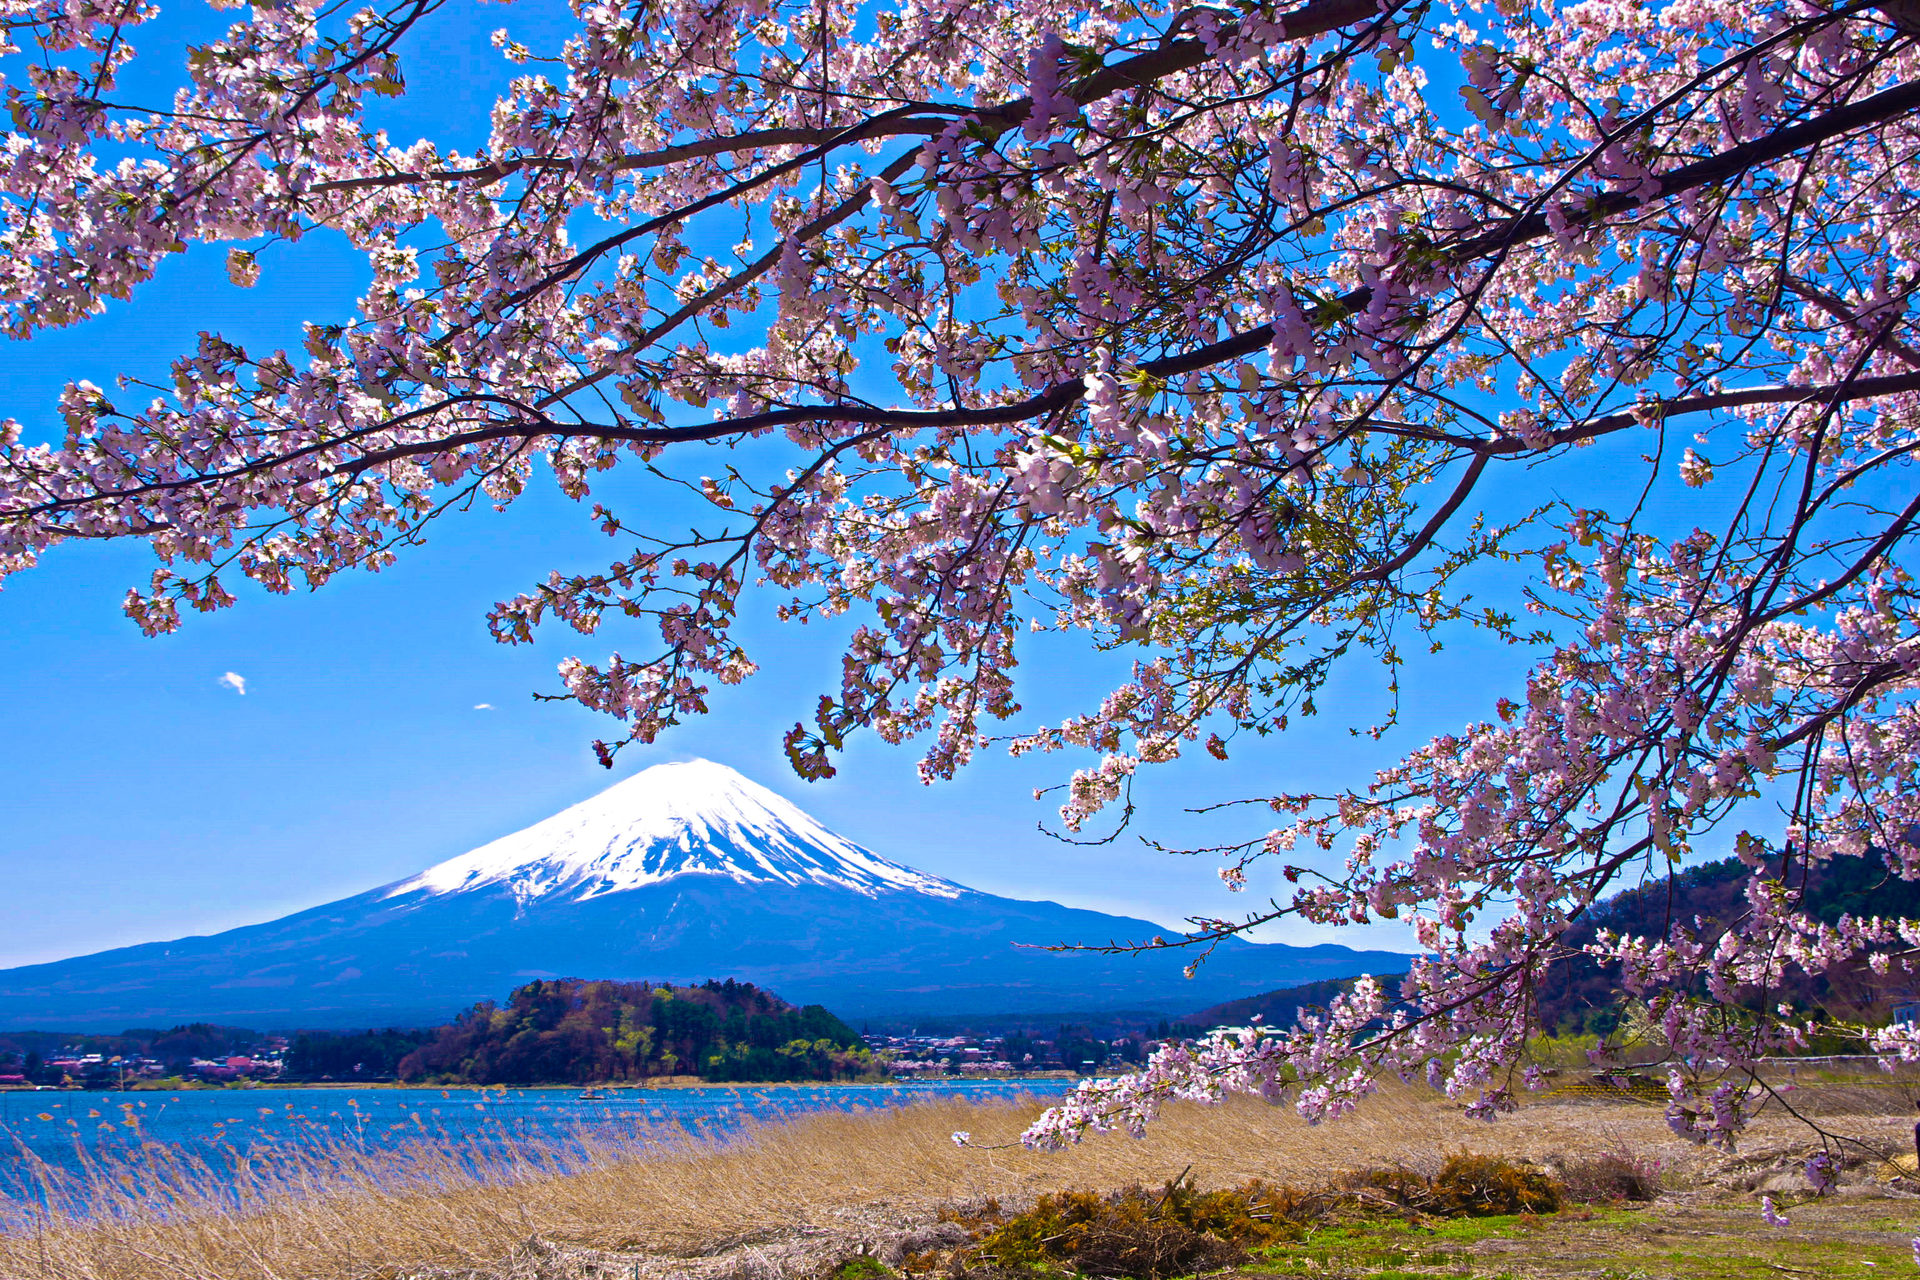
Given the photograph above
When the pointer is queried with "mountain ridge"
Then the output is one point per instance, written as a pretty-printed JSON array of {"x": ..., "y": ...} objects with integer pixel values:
[{"x": 745, "y": 887}]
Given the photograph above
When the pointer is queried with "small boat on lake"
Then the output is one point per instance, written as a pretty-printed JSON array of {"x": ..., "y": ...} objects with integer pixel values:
[{"x": 591, "y": 1094}]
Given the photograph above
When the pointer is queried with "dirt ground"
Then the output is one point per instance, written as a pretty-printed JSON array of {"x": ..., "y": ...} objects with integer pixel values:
[{"x": 1689, "y": 1236}]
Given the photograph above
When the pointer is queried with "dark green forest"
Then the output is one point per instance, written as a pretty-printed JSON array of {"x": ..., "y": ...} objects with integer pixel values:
[
  {"x": 573, "y": 1031},
  {"x": 351, "y": 1055},
  {"x": 1581, "y": 994}
]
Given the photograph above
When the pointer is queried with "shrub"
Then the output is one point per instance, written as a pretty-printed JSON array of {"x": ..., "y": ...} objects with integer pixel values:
[
  {"x": 1145, "y": 1235},
  {"x": 1251, "y": 1214},
  {"x": 1135, "y": 1232},
  {"x": 1610, "y": 1178},
  {"x": 1467, "y": 1186},
  {"x": 1477, "y": 1186},
  {"x": 1374, "y": 1191}
]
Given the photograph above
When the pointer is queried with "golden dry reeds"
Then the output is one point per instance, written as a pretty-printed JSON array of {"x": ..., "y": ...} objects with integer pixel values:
[{"x": 333, "y": 1213}]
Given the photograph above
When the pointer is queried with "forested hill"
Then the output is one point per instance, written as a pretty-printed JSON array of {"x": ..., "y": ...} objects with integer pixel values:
[
  {"x": 1581, "y": 994},
  {"x": 573, "y": 1031},
  {"x": 1279, "y": 1008}
]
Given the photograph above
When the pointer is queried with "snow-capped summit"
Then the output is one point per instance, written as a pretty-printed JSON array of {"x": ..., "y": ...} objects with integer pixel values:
[{"x": 693, "y": 819}]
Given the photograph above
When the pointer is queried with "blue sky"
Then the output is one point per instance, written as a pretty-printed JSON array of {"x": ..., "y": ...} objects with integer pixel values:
[{"x": 148, "y": 799}]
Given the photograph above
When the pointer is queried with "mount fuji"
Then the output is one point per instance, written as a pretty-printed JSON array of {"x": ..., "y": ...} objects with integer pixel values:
[{"x": 680, "y": 873}]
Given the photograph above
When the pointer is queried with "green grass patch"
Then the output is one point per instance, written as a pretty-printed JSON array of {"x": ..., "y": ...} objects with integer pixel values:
[{"x": 1727, "y": 1242}]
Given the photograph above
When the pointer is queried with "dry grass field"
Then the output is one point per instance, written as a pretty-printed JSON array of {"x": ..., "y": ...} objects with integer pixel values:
[{"x": 836, "y": 1180}]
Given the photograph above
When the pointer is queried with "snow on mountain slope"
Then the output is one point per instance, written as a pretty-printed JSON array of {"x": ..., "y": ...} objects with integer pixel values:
[{"x": 696, "y": 818}]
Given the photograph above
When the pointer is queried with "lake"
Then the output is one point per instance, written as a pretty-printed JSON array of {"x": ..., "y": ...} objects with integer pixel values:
[{"x": 67, "y": 1135}]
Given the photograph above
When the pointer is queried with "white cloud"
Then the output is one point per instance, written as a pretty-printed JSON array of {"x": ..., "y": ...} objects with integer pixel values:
[
  {"x": 235, "y": 681},
  {"x": 483, "y": 706}
]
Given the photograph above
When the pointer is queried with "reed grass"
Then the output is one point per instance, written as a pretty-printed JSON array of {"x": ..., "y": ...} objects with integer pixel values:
[{"x": 334, "y": 1212}]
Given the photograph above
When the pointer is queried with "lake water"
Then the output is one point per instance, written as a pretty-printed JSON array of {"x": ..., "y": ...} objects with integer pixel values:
[{"x": 68, "y": 1134}]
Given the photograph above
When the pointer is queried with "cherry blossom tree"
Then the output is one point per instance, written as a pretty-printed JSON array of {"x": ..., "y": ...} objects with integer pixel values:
[{"x": 1238, "y": 338}]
